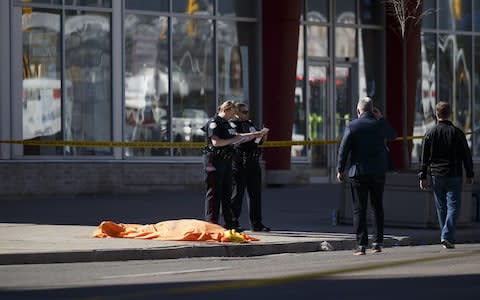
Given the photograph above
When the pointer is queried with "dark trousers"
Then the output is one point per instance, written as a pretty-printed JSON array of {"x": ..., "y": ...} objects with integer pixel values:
[
  {"x": 219, "y": 192},
  {"x": 362, "y": 187},
  {"x": 247, "y": 175}
]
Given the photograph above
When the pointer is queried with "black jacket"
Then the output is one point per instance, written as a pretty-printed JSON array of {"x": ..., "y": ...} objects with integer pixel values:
[
  {"x": 247, "y": 126},
  {"x": 444, "y": 150},
  {"x": 364, "y": 139}
]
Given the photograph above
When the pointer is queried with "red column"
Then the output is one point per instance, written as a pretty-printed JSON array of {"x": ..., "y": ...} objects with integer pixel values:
[
  {"x": 281, "y": 21},
  {"x": 394, "y": 91}
]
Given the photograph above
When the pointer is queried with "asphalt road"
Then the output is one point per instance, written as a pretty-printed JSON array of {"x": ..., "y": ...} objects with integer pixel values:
[{"x": 420, "y": 272}]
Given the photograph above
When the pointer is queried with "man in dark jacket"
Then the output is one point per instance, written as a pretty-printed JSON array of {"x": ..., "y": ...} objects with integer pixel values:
[
  {"x": 364, "y": 140},
  {"x": 444, "y": 151}
]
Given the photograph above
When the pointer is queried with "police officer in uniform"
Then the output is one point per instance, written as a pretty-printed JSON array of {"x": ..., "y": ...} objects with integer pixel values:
[
  {"x": 221, "y": 138},
  {"x": 247, "y": 173}
]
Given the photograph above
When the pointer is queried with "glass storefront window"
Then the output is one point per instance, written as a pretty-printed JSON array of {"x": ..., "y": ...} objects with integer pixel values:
[
  {"x": 42, "y": 99},
  {"x": 237, "y": 8},
  {"x": 476, "y": 117},
  {"x": 146, "y": 82},
  {"x": 476, "y": 17},
  {"x": 344, "y": 98},
  {"x": 370, "y": 12},
  {"x": 346, "y": 12},
  {"x": 317, "y": 41},
  {"x": 455, "y": 65},
  {"x": 193, "y": 80},
  {"x": 43, "y": 1},
  {"x": 428, "y": 20},
  {"x": 455, "y": 15},
  {"x": 96, "y": 3},
  {"x": 370, "y": 79},
  {"x": 233, "y": 62},
  {"x": 88, "y": 75},
  {"x": 426, "y": 92},
  {"x": 345, "y": 42},
  {"x": 320, "y": 9},
  {"x": 317, "y": 113},
  {"x": 148, "y": 5},
  {"x": 193, "y": 7}
]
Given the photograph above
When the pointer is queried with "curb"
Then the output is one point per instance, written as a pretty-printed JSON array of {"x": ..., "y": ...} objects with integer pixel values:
[{"x": 188, "y": 251}]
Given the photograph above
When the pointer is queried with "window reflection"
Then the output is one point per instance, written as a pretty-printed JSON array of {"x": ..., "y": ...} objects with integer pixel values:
[
  {"x": 202, "y": 7},
  {"x": 344, "y": 99},
  {"x": 193, "y": 87},
  {"x": 426, "y": 91},
  {"x": 455, "y": 15},
  {"x": 345, "y": 42},
  {"x": 318, "y": 100},
  {"x": 317, "y": 36},
  {"x": 476, "y": 126},
  {"x": 345, "y": 37},
  {"x": 232, "y": 64},
  {"x": 147, "y": 5},
  {"x": 97, "y": 3},
  {"x": 42, "y": 93},
  {"x": 428, "y": 20},
  {"x": 299, "y": 132},
  {"x": 370, "y": 12},
  {"x": 455, "y": 82},
  {"x": 237, "y": 8},
  {"x": 44, "y": 1},
  {"x": 317, "y": 43},
  {"x": 317, "y": 7},
  {"x": 346, "y": 11},
  {"x": 370, "y": 80},
  {"x": 88, "y": 69},
  {"x": 146, "y": 82}
]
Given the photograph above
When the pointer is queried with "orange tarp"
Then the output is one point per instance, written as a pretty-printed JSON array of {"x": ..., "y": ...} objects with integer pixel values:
[{"x": 172, "y": 230}]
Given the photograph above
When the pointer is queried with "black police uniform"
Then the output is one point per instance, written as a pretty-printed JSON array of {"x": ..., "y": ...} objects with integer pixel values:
[
  {"x": 247, "y": 174},
  {"x": 219, "y": 181}
]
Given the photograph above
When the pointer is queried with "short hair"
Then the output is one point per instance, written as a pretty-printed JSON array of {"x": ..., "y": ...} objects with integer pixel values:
[
  {"x": 443, "y": 109},
  {"x": 226, "y": 105},
  {"x": 365, "y": 104},
  {"x": 240, "y": 105}
]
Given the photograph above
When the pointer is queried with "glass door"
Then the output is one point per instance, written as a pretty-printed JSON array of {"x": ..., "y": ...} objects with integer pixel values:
[
  {"x": 317, "y": 117},
  {"x": 345, "y": 99},
  {"x": 345, "y": 106}
]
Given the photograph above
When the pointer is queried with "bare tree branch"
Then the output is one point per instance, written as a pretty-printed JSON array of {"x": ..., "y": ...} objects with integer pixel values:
[{"x": 407, "y": 15}]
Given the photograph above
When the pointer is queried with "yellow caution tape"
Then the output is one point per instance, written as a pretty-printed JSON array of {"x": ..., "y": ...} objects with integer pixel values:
[
  {"x": 108, "y": 144},
  {"x": 190, "y": 145}
]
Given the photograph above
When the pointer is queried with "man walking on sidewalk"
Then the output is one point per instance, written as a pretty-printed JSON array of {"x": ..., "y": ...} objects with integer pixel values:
[
  {"x": 364, "y": 141},
  {"x": 444, "y": 151}
]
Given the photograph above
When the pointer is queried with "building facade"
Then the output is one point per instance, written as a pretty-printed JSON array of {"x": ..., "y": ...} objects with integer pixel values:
[{"x": 78, "y": 75}]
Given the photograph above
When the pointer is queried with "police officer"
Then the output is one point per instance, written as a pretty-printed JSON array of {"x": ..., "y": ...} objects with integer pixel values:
[
  {"x": 247, "y": 173},
  {"x": 221, "y": 137}
]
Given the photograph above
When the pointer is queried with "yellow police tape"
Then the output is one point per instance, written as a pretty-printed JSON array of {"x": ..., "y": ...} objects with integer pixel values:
[{"x": 150, "y": 144}]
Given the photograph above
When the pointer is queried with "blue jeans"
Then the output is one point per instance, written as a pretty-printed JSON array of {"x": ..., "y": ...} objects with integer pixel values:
[{"x": 447, "y": 192}]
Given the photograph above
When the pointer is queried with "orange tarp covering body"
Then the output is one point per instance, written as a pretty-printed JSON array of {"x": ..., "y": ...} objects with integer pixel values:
[{"x": 172, "y": 230}]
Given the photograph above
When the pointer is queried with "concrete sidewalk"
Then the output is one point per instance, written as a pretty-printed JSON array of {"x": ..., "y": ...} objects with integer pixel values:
[
  {"x": 40, "y": 244},
  {"x": 32, "y": 243},
  {"x": 59, "y": 229}
]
